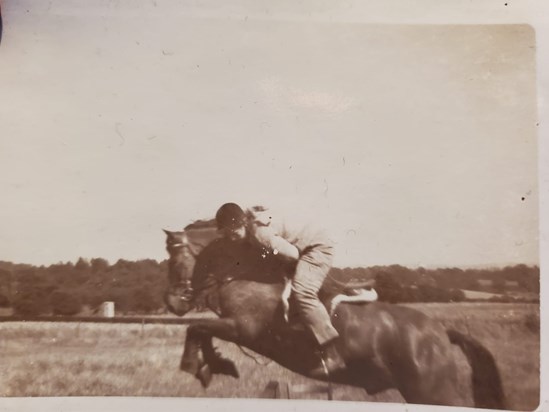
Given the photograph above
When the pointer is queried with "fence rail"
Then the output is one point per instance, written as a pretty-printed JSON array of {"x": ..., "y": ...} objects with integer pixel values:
[
  {"x": 286, "y": 390},
  {"x": 97, "y": 319}
]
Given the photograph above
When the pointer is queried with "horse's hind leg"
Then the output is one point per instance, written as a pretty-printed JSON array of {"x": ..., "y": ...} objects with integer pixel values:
[
  {"x": 436, "y": 383},
  {"x": 444, "y": 393},
  {"x": 427, "y": 373}
]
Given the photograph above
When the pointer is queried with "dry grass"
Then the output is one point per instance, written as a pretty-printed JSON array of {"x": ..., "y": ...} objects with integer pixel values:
[{"x": 48, "y": 359}]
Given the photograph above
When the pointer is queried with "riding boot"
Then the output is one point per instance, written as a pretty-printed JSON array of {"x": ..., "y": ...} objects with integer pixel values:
[{"x": 330, "y": 364}]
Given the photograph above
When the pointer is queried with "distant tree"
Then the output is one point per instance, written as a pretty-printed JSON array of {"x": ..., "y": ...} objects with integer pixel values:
[
  {"x": 426, "y": 279},
  {"x": 5, "y": 286},
  {"x": 28, "y": 277},
  {"x": 82, "y": 265},
  {"x": 163, "y": 266},
  {"x": 456, "y": 295},
  {"x": 64, "y": 303},
  {"x": 471, "y": 283},
  {"x": 69, "y": 266},
  {"x": 498, "y": 284},
  {"x": 450, "y": 278},
  {"x": 59, "y": 273},
  {"x": 31, "y": 302},
  {"x": 529, "y": 279},
  {"x": 5, "y": 277},
  {"x": 35, "y": 279},
  {"x": 121, "y": 296},
  {"x": 99, "y": 265},
  {"x": 122, "y": 264},
  {"x": 430, "y": 294},
  {"x": 413, "y": 294},
  {"x": 4, "y": 301},
  {"x": 388, "y": 288},
  {"x": 143, "y": 300},
  {"x": 93, "y": 298}
]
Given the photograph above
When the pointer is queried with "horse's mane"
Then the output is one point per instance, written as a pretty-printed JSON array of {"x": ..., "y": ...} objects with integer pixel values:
[{"x": 201, "y": 224}]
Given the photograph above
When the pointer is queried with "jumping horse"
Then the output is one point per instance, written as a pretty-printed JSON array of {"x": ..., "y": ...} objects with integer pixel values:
[{"x": 384, "y": 345}]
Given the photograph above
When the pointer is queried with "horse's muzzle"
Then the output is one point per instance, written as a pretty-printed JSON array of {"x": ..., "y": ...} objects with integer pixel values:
[{"x": 179, "y": 298}]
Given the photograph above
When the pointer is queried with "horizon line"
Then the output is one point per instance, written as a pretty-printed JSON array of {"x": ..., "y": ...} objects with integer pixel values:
[{"x": 487, "y": 266}]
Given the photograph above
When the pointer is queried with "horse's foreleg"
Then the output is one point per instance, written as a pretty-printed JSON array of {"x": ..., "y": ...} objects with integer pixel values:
[
  {"x": 190, "y": 361},
  {"x": 216, "y": 362},
  {"x": 199, "y": 336}
]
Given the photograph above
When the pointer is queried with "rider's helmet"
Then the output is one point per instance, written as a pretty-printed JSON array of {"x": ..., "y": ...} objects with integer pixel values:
[{"x": 230, "y": 216}]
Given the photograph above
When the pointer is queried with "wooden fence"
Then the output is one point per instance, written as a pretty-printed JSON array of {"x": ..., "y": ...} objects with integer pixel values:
[
  {"x": 98, "y": 319},
  {"x": 286, "y": 390}
]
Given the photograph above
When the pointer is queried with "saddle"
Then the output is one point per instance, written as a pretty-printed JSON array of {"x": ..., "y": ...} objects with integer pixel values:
[{"x": 350, "y": 295}]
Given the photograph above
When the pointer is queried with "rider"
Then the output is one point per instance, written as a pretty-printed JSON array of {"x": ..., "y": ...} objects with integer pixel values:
[{"x": 313, "y": 253}]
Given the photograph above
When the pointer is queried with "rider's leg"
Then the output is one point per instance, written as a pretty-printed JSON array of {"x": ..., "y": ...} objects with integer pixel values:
[{"x": 312, "y": 269}]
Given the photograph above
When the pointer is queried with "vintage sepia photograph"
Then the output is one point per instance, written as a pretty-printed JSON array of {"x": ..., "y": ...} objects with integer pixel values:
[{"x": 278, "y": 202}]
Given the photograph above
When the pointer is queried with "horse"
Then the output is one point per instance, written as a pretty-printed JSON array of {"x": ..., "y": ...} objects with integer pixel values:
[{"x": 384, "y": 345}]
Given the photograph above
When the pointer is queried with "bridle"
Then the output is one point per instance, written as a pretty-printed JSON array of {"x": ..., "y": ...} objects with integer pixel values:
[{"x": 182, "y": 289}]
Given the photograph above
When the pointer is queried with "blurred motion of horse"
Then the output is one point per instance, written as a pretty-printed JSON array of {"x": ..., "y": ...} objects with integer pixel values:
[{"x": 384, "y": 345}]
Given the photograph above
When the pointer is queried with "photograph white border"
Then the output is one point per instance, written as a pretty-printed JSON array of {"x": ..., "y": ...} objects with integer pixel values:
[{"x": 532, "y": 12}]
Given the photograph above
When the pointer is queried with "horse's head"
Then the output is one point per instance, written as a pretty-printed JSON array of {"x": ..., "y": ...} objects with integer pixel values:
[
  {"x": 184, "y": 248},
  {"x": 200, "y": 259},
  {"x": 179, "y": 295}
]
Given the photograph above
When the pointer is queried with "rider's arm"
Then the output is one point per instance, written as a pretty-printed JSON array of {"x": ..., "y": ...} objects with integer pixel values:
[{"x": 275, "y": 243}]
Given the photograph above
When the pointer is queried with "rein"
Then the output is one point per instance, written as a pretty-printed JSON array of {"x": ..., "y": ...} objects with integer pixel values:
[{"x": 253, "y": 357}]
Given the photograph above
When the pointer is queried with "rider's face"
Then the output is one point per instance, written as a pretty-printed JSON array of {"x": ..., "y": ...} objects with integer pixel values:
[{"x": 234, "y": 234}]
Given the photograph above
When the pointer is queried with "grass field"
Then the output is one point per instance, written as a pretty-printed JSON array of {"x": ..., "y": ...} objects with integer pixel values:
[{"x": 68, "y": 359}]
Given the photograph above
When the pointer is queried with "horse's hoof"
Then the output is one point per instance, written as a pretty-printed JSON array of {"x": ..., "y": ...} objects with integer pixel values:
[
  {"x": 204, "y": 374},
  {"x": 225, "y": 367}
]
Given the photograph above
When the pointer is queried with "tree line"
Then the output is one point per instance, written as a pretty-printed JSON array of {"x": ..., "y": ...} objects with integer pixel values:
[
  {"x": 137, "y": 287},
  {"x": 398, "y": 284},
  {"x": 68, "y": 288}
]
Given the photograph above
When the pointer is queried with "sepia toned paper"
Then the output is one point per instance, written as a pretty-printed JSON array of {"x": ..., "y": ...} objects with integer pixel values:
[{"x": 412, "y": 133}]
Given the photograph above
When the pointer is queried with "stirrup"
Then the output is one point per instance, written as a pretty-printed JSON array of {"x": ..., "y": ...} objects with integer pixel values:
[
  {"x": 321, "y": 371},
  {"x": 324, "y": 366}
]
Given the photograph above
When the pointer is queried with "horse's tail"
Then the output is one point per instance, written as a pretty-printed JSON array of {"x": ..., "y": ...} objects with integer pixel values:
[{"x": 487, "y": 386}]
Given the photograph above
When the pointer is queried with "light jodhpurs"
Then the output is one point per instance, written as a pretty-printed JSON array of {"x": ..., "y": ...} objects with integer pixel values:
[{"x": 312, "y": 268}]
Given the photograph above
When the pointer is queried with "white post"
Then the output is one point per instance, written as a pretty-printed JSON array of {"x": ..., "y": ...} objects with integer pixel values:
[{"x": 108, "y": 309}]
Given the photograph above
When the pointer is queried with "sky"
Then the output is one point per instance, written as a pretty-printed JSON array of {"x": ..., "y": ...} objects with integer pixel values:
[{"x": 411, "y": 144}]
